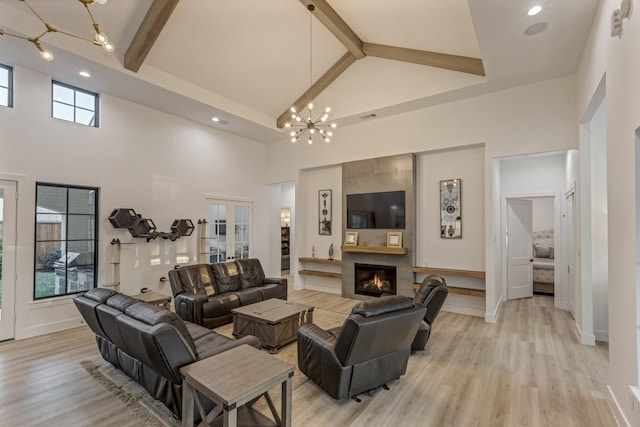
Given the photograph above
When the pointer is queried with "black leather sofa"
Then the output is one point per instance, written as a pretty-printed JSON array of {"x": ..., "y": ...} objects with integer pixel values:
[
  {"x": 206, "y": 293},
  {"x": 371, "y": 348},
  {"x": 150, "y": 343}
]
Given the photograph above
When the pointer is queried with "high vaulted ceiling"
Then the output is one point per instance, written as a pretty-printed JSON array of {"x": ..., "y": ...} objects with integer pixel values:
[{"x": 248, "y": 61}]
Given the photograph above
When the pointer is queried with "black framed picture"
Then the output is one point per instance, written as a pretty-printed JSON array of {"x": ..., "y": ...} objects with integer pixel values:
[
  {"x": 450, "y": 209},
  {"x": 324, "y": 212}
]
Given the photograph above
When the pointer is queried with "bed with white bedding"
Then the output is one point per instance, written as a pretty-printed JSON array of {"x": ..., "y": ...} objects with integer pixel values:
[{"x": 543, "y": 256}]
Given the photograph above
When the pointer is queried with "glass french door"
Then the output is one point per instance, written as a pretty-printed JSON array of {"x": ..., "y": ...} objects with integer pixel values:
[
  {"x": 8, "y": 190},
  {"x": 229, "y": 230}
]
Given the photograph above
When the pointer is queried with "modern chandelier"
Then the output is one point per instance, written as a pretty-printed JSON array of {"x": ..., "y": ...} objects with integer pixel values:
[
  {"x": 299, "y": 124},
  {"x": 100, "y": 38}
]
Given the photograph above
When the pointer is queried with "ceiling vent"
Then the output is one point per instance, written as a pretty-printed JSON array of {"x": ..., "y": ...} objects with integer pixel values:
[{"x": 368, "y": 116}]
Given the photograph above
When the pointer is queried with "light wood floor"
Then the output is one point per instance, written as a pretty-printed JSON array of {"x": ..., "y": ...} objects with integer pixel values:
[{"x": 526, "y": 370}]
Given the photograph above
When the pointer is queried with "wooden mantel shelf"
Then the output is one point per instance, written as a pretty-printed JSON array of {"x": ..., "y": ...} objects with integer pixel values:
[
  {"x": 374, "y": 250},
  {"x": 321, "y": 260}
]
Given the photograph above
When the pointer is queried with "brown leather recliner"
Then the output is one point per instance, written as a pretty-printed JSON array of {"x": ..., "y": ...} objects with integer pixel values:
[
  {"x": 432, "y": 293},
  {"x": 371, "y": 348},
  {"x": 206, "y": 293}
]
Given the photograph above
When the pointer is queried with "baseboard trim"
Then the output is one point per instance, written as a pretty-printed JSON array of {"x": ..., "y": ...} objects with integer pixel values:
[
  {"x": 601, "y": 336},
  {"x": 461, "y": 309},
  {"x": 493, "y": 317},
  {"x": 586, "y": 339},
  {"x": 37, "y": 330},
  {"x": 320, "y": 288},
  {"x": 616, "y": 410}
]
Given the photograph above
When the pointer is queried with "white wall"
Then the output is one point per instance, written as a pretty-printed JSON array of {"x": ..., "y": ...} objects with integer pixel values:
[
  {"x": 537, "y": 175},
  {"x": 618, "y": 59},
  {"x": 542, "y": 208},
  {"x": 431, "y": 250},
  {"x": 140, "y": 158},
  {"x": 509, "y": 122},
  {"x": 308, "y": 238},
  {"x": 599, "y": 228}
]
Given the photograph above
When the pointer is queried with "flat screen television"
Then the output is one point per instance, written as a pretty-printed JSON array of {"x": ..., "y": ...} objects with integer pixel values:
[{"x": 376, "y": 210}]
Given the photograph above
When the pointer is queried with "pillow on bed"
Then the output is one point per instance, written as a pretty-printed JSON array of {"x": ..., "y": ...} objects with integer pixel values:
[{"x": 543, "y": 248}]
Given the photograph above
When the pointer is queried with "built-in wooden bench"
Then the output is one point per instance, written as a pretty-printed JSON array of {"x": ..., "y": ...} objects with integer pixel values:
[
  {"x": 325, "y": 274},
  {"x": 318, "y": 273},
  {"x": 453, "y": 272},
  {"x": 450, "y": 272},
  {"x": 459, "y": 291}
]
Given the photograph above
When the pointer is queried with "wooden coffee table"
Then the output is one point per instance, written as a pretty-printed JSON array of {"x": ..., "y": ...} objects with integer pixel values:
[
  {"x": 274, "y": 321},
  {"x": 234, "y": 380}
]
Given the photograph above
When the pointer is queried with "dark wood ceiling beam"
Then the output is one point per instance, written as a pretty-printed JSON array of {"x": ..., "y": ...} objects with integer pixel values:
[
  {"x": 336, "y": 25},
  {"x": 463, "y": 64},
  {"x": 148, "y": 32},
  {"x": 323, "y": 82}
]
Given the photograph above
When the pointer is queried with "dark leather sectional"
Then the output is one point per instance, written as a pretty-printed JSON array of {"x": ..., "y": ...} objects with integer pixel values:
[
  {"x": 206, "y": 293},
  {"x": 150, "y": 343}
]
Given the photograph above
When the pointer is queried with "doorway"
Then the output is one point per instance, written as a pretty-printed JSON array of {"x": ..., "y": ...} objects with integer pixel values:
[
  {"x": 519, "y": 249},
  {"x": 533, "y": 247},
  {"x": 8, "y": 193}
]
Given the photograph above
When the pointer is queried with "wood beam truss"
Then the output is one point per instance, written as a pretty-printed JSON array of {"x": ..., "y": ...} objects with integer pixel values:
[
  {"x": 148, "y": 32},
  {"x": 357, "y": 49}
]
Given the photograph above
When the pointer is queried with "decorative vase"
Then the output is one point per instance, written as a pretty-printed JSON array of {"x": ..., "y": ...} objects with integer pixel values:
[
  {"x": 331, "y": 251},
  {"x": 313, "y": 251}
]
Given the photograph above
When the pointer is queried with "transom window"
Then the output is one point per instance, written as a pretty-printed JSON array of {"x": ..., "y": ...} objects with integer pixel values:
[
  {"x": 66, "y": 259},
  {"x": 74, "y": 104},
  {"x": 6, "y": 86}
]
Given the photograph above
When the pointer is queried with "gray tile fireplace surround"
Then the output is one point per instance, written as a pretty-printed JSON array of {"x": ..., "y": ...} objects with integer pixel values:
[{"x": 393, "y": 173}]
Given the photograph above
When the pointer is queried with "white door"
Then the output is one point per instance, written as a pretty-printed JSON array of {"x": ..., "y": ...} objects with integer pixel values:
[
  {"x": 229, "y": 231},
  {"x": 519, "y": 249},
  {"x": 571, "y": 277},
  {"x": 8, "y": 191}
]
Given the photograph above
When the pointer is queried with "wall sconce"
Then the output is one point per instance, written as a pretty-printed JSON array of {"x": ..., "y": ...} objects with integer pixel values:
[{"x": 624, "y": 11}]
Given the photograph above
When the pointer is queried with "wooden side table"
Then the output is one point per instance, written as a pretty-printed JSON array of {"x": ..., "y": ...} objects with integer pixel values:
[
  {"x": 155, "y": 298},
  {"x": 233, "y": 378}
]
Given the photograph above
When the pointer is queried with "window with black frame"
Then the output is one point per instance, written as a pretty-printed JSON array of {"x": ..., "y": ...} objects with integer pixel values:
[
  {"x": 73, "y": 104},
  {"x": 6, "y": 86},
  {"x": 66, "y": 240}
]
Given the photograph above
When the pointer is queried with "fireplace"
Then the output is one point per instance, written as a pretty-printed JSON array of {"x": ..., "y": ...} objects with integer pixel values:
[{"x": 375, "y": 280}]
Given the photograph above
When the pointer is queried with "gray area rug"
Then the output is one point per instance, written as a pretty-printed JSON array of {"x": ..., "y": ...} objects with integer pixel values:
[
  {"x": 151, "y": 412},
  {"x": 146, "y": 409}
]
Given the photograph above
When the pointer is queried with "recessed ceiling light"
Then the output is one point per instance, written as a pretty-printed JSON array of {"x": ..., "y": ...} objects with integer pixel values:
[
  {"x": 84, "y": 74},
  {"x": 219, "y": 121},
  {"x": 534, "y": 10}
]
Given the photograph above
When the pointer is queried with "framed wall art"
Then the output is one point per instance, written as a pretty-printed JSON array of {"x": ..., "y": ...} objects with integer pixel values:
[
  {"x": 351, "y": 238},
  {"x": 324, "y": 212},
  {"x": 450, "y": 209},
  {"x": 394, "y": 239}
]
